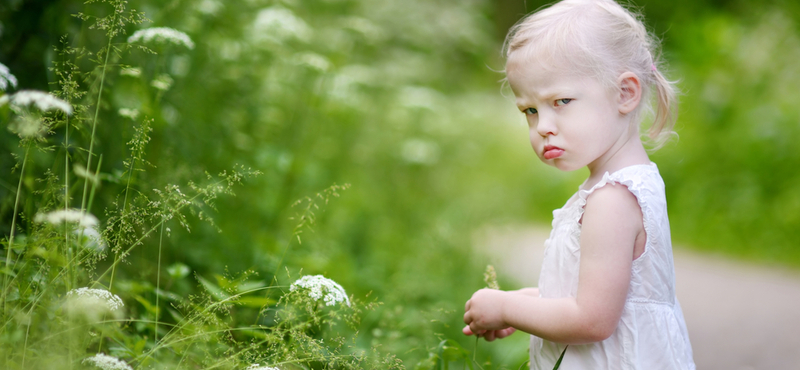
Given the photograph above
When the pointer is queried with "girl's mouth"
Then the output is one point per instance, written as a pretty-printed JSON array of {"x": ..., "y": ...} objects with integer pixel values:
[{"x": 551, "y": 152}]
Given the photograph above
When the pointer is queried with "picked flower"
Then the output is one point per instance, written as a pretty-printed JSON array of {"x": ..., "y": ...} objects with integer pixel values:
[
  {"x": 42, "y": 100},
  {"x": 321, "y": 287},
  {"x": 107, "y": 362},
  {"x": 163, "y": 35},
  {"x": 6, "y": 78}
]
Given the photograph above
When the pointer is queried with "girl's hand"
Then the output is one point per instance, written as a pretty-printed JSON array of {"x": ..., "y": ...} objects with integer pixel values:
[
  {"x": 484, "y": 312},
  {"x": 490, "y": 335}
]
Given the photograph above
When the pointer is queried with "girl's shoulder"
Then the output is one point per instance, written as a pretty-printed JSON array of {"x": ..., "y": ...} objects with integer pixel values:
[{"x": 643, "y": 180}]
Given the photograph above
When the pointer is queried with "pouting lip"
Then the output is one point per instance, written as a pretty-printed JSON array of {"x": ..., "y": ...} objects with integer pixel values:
[{"x": 551, "y": 147}]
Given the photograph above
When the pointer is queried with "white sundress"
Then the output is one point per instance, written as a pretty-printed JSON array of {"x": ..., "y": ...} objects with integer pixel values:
[{"x": 651, "y": 333}]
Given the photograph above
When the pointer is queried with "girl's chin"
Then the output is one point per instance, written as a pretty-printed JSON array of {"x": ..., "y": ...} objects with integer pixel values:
[{"x": 561, "y": 164}]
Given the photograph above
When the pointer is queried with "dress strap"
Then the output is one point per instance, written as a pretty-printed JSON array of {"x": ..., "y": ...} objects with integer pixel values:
[{"x": 633, "y": 177}]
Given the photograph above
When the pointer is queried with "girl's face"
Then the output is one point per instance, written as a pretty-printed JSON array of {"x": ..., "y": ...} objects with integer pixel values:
[{"x": 574, "y": 121}]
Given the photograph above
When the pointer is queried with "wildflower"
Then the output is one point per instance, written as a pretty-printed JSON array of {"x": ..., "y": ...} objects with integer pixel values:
[
  {"x": 67, "y": 215},
  {"x": 162, "y": 34},
  {"x": 107, "y": 362},
  {"x": 128, "y": 113},
  {"x": 314, "y": 61},
  {"x": 163, "y": 82},
  {"x": 277, "y": 24},
  {"x": 112, "y": 301},
  {"x": 132, "y": 72},
  {"x": 259, "y": 367},
  {"x": 6, "y": 78},
  {"x": 44, "y": 101},
  {"x": 319, "y": 286}
]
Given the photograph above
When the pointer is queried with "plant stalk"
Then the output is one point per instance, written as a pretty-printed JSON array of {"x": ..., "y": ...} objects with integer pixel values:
[{"x": 13, "y": 226}]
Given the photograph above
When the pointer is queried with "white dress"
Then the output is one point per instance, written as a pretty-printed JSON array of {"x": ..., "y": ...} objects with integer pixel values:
[{"x": 651, "y": 333}]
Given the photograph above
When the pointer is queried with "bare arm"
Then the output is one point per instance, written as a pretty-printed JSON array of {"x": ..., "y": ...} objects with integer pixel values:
[{"x": 612, "y": 221}]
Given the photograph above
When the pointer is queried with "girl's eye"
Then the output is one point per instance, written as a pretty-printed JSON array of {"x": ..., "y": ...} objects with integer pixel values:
[
  {"x": 560, "y": 102},
  {"x": 530, "y": 111}
]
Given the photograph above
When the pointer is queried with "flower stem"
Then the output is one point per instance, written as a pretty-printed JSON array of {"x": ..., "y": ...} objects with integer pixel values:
[{"x": 13, "y": 226}]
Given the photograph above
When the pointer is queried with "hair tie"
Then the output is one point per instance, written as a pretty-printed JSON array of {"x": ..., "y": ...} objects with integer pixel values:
[{"x": 653, "y": 67}]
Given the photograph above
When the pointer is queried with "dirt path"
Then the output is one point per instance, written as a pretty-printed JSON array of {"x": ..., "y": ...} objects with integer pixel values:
[{"x": 739, "y": 316}]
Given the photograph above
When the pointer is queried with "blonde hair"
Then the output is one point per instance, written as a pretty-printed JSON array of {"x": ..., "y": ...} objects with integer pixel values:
[{"x": 599, "y": 39}]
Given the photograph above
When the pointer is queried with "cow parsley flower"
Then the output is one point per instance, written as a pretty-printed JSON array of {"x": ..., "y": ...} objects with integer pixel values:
[
  {"x": 162, "y": 34},
  {"x": 107, "y": 362},
  {"x": 131, "y": 72},
  {"x": 259, "y": 367},
  {"x": 128, "y": 113},
  {"x": 67, "y": 215},
  {"x": 42, "y": 100},
  {"x": 102, "y": 296},
  {"x": 277, "y": 24},
  {"x": 162, "y": 82},
  {"x": 321, "y": 287},
  {"x": 6, "y": 78}
]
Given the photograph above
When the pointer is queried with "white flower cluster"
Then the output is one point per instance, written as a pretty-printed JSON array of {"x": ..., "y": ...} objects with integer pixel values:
[
  {"x": 6, "y": 78},
  {"x": 107, "y": 362},
  {"x": 162, "y": 34},
  {"x": 129, "y": 113},
  {"x": 259, "y": 367},
  {"x": 278, "y": 24},
  {"x": 67, "y": 215},
  {"x": 321, "y": 287},
  {"x": 41, "y": 99},
  {"x": 101, "y": 295},
  {"x": 162, "y": 82}
]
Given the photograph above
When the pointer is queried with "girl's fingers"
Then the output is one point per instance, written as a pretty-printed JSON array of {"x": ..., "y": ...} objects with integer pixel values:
[{"x": 467, "y": 330}]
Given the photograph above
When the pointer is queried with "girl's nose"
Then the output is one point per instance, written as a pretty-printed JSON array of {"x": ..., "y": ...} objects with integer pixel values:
[{"x": 546, "y": 126}]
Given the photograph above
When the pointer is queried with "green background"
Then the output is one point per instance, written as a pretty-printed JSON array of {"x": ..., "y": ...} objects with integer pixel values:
[{"x": 401, "y": 100}]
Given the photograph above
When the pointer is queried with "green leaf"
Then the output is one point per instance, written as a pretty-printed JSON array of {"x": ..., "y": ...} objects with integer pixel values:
[{"x": 558, "y": 363}]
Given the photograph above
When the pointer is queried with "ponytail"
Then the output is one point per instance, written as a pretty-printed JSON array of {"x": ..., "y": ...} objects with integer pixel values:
[{"x": 664, "y": 118}]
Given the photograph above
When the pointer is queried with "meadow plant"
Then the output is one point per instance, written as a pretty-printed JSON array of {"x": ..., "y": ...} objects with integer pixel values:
[
  {"x": 70, "y": 295},
  {"x": 106, "y": 362},
  {"x": 6, "y": 78}
]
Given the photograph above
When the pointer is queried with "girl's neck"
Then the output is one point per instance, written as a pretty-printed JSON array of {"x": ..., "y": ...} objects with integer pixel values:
[{"x": 632, "y": 152}]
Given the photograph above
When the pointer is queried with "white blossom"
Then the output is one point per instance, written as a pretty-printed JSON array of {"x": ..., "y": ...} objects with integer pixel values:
[
  {"x": 278, "y": 24},
  {"x": 6, "y": 78},
  {"x": 259, "y": 367},
  {"x": 314, "y": 61},
  {"x": 129, "y": 113},
  {"x": 163, "y": 82},
  {"x": 112, "y": 301},
  {"x": 162, "y": 34},
  {"x": 67, "y": 215},
  {"x": 321, "y": 287},
  {"x": 132, "y": 72},
  {"x": 41, "y": 99},
  {"x": 107, "y": 362}
]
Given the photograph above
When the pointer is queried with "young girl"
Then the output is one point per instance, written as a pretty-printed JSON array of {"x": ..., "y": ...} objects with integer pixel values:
[{"x": 581, "y": 71}]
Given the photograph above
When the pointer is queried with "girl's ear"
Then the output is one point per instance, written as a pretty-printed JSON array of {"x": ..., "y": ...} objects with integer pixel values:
[{"x": 630, "y": 92}]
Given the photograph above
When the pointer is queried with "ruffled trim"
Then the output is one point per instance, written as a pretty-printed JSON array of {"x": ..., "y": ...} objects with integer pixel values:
[{"x": 632, "y": 177}]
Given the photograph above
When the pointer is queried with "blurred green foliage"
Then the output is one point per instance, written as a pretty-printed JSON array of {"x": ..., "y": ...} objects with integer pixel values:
[{"x": 400, "y": 100}]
